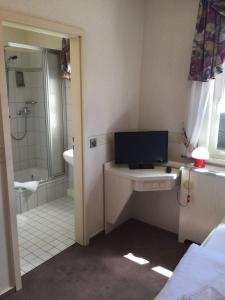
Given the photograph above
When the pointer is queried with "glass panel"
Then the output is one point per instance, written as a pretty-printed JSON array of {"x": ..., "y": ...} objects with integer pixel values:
[
  {"x": 25, "y": 86},
  {"x": 55, "y": 114},
  {"x": 221, "y": 133}
]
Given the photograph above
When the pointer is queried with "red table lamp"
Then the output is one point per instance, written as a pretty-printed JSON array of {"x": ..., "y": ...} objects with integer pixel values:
[{"x": 200, "y": 154}]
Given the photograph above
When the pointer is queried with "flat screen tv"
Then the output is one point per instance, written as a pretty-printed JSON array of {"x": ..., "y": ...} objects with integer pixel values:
[{"x": 140, "y": 150}]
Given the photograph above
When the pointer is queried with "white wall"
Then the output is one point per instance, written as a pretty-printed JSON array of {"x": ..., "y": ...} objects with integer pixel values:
[
  {"x": 31, "y": 38},
  {"x": 168, "y": 36},
  {"x": 114, "y": 36},
  {"x": 114, "y": 47}
]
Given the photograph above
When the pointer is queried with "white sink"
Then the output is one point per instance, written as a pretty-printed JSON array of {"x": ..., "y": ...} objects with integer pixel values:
[{"x": 68, "y": 156}]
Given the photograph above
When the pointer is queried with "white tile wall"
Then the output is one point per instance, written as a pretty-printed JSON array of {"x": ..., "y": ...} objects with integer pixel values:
[
  {"x": 31, "y": 152},
  {"x": 27, "y": 153}
]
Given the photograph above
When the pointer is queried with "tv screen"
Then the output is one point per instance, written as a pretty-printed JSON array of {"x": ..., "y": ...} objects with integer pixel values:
[{"x": 141, "y": 148}]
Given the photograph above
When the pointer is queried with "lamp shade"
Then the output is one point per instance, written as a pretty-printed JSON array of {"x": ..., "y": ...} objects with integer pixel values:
[{"x": 200, "y": 154}]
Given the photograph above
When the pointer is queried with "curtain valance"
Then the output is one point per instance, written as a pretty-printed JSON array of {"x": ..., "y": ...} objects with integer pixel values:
[{"x": 208, "y": 53}]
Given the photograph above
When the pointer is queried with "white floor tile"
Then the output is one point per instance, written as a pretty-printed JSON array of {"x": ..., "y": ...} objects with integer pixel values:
[
  {"x": 33, "y": 248},
  {"x": 24, "y": 252},
  {"x": 54, "y": 251},
  {"x": 37, "y": 261},
  {"x": 61, "y": 246},
  {"x": 45, "y": 231},
  {"x": 30, "y": 257},
  {"x": 47, "y": 247},
  {"x": 38, "y": 252},
  {"x": 27, "y": 267},
  {"x": 45, "y": 256},
  {"x": 68, "y": 242}
]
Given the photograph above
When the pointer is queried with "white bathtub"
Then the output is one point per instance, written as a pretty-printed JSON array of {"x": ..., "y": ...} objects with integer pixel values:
[
  {"x": 31, "y": 174},
  {"x": 48, "y": 190}
]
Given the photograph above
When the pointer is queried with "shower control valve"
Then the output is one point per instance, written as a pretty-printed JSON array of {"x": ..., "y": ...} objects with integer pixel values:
[{"x": 24, "y": 111}]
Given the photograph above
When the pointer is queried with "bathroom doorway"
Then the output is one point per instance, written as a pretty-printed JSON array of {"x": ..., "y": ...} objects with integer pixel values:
[
  {"x": 45, "y": 121},
  {"x": 40, "y": 116}
]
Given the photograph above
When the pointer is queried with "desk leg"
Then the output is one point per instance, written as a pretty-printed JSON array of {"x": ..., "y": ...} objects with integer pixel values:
[{"x": 118, "y": 190}]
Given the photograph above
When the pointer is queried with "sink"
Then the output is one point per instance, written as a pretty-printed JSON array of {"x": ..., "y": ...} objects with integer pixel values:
[{"x": 68, "y": 156}]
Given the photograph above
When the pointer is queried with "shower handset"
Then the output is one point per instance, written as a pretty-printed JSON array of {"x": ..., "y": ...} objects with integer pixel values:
[{"x": 24, "y": 112}]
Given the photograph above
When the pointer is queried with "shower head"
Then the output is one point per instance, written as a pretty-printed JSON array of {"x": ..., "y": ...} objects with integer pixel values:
[{"x": 13, "y": 57}]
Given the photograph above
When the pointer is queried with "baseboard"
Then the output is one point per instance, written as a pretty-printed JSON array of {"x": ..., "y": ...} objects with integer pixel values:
[
  {"x": 4, "y": 294},
  {"x": 97, "y": 232}
]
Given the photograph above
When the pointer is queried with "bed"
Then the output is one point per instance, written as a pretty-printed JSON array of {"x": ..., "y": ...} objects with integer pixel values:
[{"x": 201, "y": 272}]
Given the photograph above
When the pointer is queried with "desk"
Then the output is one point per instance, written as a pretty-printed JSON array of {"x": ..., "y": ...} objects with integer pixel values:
[{"x": 120, "y": 182}]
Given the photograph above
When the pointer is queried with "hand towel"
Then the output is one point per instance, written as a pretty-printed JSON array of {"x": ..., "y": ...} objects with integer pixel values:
[{"x": 28, "y": 185}]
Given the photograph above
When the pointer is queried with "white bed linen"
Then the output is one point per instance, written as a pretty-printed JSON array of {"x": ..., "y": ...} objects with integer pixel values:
[
  {"x": 216, "y": 240},
  {"x": 198, "y": 269},
  {"x": 209, "y": 293}
]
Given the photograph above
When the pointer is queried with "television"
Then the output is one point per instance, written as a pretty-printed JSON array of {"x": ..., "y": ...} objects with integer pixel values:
[{"x": 140, "y": 150}]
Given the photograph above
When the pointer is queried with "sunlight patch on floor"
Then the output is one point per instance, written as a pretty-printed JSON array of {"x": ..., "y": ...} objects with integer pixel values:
[
  {"x": 136, "y": 259},
  {"x": 163, "y": 271}
]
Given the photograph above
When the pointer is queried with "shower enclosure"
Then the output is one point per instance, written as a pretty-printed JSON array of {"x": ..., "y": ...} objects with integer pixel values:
[{"x": 37, "y": 107}]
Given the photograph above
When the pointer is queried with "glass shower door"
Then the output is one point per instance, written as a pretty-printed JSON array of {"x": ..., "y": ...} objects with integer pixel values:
[{"x": 55, "y": 124}]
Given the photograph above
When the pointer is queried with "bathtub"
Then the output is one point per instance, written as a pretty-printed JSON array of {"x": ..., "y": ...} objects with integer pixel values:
[
  {"x": 31, "y": 174},
  {"x": 48, "y": 189}
]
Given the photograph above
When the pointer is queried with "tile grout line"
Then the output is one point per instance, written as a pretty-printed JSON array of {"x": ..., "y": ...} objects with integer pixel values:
[{"x": 38, "y": 244}]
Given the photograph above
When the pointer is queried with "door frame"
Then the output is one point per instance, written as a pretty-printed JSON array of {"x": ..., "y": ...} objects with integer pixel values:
[{"x": 77, "y": 46}]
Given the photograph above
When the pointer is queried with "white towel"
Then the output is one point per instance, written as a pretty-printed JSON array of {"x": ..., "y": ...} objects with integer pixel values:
[{"x": 28, "y": 185}]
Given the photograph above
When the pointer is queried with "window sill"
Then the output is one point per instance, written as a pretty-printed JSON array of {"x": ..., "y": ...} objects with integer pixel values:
[
  {"x": 213, "y": 166},
  {"x": 216, "y": 162}
]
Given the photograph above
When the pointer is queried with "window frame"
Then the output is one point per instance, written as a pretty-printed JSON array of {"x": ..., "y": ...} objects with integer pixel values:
[{"x": 213, "y": 135}]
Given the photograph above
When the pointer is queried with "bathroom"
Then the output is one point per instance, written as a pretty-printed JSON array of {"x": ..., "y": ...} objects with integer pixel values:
[{"x": 39, "y": 95}]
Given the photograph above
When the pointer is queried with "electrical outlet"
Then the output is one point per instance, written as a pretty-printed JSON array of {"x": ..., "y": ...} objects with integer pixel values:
[{"x": 93, "y": 142}]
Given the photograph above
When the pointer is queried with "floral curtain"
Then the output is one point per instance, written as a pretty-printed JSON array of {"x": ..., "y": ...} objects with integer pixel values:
[
  {"x": 208, "y": 53},
  {"x": 65, "y": 59}
]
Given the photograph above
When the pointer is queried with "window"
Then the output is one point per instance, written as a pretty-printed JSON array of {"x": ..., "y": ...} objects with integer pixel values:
[
  {"x": 221, "y": 133},
  {"x": 214, "y": 132}
]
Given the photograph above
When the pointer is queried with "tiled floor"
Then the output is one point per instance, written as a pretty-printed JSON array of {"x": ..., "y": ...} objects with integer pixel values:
[{"x": 45, "y": 231}]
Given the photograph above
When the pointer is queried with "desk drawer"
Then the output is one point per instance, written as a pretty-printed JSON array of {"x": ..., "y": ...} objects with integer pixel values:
[{"x": 154, "y": 185}]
